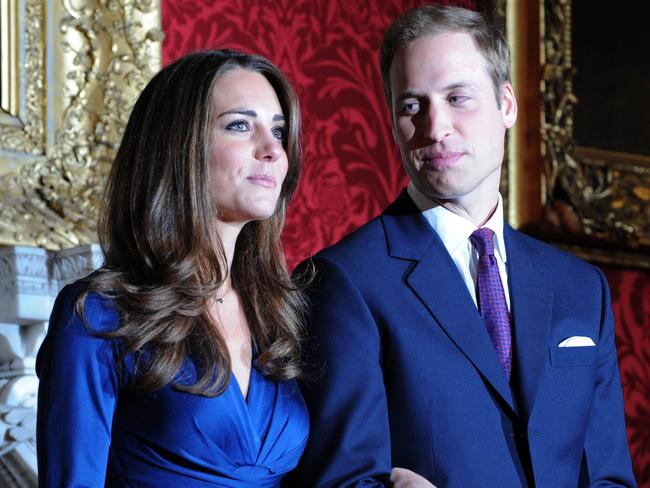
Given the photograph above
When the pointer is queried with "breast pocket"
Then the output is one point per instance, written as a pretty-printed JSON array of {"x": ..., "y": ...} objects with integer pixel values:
[{"x": 562, "y": 357}]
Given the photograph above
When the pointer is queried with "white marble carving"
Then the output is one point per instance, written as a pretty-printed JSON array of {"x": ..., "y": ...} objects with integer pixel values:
[
  {"x": 24, "y": 285},
  {"x": 30, "y": 279}
]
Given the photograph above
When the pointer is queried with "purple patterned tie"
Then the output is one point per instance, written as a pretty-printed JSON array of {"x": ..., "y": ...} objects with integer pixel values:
[{"x": 491, "y": 298}]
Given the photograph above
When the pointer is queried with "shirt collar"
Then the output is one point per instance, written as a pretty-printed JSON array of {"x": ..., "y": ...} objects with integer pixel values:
[{"x": 454, "y": 230}]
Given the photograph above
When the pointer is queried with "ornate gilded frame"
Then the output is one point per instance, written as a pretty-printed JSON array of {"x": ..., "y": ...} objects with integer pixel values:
[
  {"x": 70, "y": 73},
  {"x": 591, "y": 202}
]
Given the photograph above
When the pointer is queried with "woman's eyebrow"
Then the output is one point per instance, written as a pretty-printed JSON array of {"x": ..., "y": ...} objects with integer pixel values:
[{"x": 249, "y": 113}]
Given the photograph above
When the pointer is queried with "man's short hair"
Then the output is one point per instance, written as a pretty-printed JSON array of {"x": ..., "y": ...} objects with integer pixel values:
[{"x": 430, "y": 20}]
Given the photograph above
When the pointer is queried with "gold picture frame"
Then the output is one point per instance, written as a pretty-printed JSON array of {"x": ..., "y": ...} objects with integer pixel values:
[
  {"x": 592, "y": 202},
  {"x": 69, "y": 74}
]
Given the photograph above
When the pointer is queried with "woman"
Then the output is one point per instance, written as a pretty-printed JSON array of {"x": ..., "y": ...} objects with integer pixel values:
[{"x": 174, "y": 364}]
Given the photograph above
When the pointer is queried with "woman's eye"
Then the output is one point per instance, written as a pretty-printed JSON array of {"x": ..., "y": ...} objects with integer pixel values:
[
  {"x": 238, "y": 125},
  {"x": 279, "y": 133}
]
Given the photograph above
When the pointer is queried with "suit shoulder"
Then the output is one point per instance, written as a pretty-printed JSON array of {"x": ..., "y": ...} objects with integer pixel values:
[
  {"x": 562, "y": 263},
  {"x": 367, "y": 241},
  {"x": 354, "y": 258}
]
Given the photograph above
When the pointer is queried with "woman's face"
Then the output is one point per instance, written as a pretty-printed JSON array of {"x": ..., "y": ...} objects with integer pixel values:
[{"x": 249, "y": 162}]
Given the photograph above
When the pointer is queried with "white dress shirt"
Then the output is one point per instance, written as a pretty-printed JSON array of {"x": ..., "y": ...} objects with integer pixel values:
[{"x": 454, "y": 231}]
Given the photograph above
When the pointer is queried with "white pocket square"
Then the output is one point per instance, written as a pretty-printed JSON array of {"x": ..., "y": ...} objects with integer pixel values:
[{"x": 577, "y": 341}]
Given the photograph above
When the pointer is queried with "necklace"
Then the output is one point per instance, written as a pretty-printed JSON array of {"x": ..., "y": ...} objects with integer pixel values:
[{"x": 220, "y": 299}]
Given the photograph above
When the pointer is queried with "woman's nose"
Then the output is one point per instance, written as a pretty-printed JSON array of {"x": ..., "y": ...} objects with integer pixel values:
[{"x": 268, "y": 147}]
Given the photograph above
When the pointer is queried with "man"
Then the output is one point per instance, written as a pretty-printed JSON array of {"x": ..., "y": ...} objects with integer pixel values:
[{"x": 441, "y": 340}]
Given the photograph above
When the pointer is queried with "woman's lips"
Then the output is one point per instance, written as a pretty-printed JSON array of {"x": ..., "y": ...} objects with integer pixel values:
[{"x": 267, "y": 181}]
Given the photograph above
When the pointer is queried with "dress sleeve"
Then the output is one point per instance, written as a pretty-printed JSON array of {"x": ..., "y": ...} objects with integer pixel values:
[
  {"x": 79, "y": 384},
  {"x": 349, "y": 440}
]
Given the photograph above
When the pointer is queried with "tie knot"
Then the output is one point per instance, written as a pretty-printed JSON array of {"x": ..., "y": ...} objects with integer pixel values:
[{"x": 482, "y": 239}]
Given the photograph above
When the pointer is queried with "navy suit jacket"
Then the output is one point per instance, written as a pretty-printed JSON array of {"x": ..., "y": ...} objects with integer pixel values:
[{"x": 401, "y": 370}]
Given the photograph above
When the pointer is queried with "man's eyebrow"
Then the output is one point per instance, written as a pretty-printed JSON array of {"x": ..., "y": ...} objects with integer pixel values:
[
  {"x": 450, "y": 87},
  {"x": 408, "y": 94},
  {"x": 248, "y": 113},
  {"x": 460, "y": 84}
]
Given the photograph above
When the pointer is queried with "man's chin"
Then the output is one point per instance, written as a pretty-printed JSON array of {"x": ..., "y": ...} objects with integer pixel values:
[{"x": 443, "y": 191}]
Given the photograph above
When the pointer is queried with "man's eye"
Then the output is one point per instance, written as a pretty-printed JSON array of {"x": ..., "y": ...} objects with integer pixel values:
[
  {"x": 410, "y": 107},
  {"x": 458, "y": 99}
]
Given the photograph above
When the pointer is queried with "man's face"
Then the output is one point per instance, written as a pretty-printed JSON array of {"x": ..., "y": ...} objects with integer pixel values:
[{"x": 446, "y": 119}]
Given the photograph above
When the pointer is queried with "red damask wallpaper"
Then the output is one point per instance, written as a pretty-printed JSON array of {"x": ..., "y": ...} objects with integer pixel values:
[
  {"x": 329, "y": 49},
  {"x": 631, "y": 304}
]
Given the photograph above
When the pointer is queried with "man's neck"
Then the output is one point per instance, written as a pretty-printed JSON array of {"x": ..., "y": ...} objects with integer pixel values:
[{"x": 476, "y": 212}]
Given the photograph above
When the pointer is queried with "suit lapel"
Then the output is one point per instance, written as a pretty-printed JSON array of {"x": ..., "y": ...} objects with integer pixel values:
[
  {"x": 437, "y": 283},
  {"x": 531, "y": 306}
]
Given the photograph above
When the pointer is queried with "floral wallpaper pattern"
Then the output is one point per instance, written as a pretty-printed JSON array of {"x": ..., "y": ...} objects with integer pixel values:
[
  {"x": 329, "y": 49},
  {"x": 631, "y": 304}
]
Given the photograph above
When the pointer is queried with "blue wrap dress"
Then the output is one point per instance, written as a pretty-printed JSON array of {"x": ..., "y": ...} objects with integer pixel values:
[{"x": 92, "y": 431}]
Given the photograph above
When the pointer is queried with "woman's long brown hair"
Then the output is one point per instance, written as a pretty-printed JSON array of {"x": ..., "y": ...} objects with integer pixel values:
[{"x": 164, "y": 260}]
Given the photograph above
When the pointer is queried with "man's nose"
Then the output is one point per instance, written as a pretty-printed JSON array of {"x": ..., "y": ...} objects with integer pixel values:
[{"x": 438, "y": 123}]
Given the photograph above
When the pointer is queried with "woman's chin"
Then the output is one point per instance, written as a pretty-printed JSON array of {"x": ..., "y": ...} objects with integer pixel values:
[{"x": 251, "y": 215}]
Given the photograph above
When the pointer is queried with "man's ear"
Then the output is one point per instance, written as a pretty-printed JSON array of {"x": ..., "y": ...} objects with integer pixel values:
[
  {"x": 508, "y": 105},
  {"x": 392, "y": 120}
]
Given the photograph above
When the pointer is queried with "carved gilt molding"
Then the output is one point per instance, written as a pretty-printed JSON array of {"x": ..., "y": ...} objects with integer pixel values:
[
  {"x": 592, "y": 202},
  {"x": 81, "y": 66},
  {"x": 601, "y": 198},
  {"x": 22, "y": 58}
]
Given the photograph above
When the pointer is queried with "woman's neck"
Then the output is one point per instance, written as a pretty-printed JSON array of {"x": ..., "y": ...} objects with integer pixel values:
[{"x": 228, "y": 233}]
